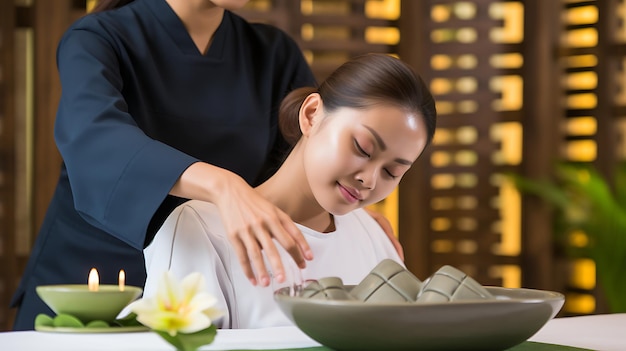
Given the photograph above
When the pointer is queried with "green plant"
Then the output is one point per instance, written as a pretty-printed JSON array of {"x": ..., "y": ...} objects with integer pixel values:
[{"x": 585, "y": 201}]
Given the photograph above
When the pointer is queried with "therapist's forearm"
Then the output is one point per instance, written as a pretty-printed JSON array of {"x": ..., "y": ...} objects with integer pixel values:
[{"x": 201, "y": 181}]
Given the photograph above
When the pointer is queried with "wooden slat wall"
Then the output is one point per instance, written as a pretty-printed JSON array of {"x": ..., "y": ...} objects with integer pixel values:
[
  {"x": 29, "y": 163},
  {"x": 591, "y": 64},
  {"x": 8, "y": 260},
  {"x": 453, "y": 206}
]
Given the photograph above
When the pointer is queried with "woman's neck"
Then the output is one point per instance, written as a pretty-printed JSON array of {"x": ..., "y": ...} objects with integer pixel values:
[
  {"x": 201, "y": 18},
  {"x": 289, "y": 190}
]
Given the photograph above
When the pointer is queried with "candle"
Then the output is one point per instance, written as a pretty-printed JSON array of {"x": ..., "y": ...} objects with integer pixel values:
[
  {"x": 122, "y": 279},
  {"x": 94, "y": 280}
]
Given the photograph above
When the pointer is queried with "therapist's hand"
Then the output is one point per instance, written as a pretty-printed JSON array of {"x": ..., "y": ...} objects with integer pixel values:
[
  {"x": 251, "y": 222},
  {"x": 388, "y": 229}
]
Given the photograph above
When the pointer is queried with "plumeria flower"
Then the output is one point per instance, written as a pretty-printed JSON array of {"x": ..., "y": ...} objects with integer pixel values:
[{"x": 178, "y": 308}]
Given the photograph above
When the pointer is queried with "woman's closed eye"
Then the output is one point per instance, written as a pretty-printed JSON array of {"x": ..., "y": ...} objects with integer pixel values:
[
  {"x": 361, "y": 150},
  {"x": 389, "y": 174}
]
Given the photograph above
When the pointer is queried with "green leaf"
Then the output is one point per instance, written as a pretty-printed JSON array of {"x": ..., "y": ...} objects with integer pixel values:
[
  {"x": 129, "y": 321},
  {"x": 67, "y": 321},
  {"x": 192, "y": 341},
  {"x": 43, "y": 320},
  {"x": 596, "y": 205},
  {"x": 97, "y": 324}
]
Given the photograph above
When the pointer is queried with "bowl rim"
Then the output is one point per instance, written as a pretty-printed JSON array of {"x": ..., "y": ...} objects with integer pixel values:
[
  {"x": 79, "y": 288},
  {"x": 550, "y": 296}
]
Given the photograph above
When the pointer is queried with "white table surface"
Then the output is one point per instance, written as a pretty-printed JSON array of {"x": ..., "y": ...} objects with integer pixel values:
[
  {"x": 605, "y": 332},
  {"x": 597, "y": 332}
]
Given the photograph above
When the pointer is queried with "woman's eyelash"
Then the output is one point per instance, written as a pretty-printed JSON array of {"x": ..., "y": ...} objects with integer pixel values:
[
  {"x": 358, "y": 146},
  {"x": 390, "y": 174}
]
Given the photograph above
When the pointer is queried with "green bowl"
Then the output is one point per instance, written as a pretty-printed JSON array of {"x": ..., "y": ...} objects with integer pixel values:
[{"x": 76, "y": 300}]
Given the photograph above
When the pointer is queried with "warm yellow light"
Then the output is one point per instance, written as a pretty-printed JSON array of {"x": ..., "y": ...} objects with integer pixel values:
[
  {"x": 580, "y": 150},
  {"x": 581, "y": 61},
  {"x": 512, "y": 16},
  {"x": 440, "y": 13},
  {"x": 444, "y": 107},
  {"x": 440, "y": 159},
  {"x": 581, "y": 81},
  {"x": 510, "y": 225},
  {"x": 510, "y": 60},
  {"x": 442, "y": 181},
  {"x": 511, "y": 89},
  {"x": 382, "y": 35},
  {"x": 509, "y": 136},
  {"x": 466, "y": 85},
  {"x": 579, "y": 38},
  {"x": 442, "y": 203},
  {"x": 441, "y": 246},
  {"x": 583, "y": 274},
  {"x": 466, "y": 135},
  {"x": 121, "y": 280},
  {"x": 582, "y": 15},
  {"x": 389, "y": 209},
  {"x": 441, "y": 86},
  {"x": 580, "y": 126},
  {"x": 443, "y": 136},
  {"x": 466, "y": 158},
  {"x": 466, "y": 180},
  {"x": 440, "y": 62},
  {"x": 440, "y": 224},
  {"x": 579, "y": 303},
  {"x": 383, "y": 9},
  {"x": 511, "y": 275},
  {"x": 93, "y": 281}
]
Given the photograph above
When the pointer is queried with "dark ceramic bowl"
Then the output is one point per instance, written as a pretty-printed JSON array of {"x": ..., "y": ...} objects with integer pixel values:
[{"x": 496, "y": 324}]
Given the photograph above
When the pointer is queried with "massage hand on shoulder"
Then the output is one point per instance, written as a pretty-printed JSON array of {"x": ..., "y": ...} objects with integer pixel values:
[{"x": 353, "y": 139}]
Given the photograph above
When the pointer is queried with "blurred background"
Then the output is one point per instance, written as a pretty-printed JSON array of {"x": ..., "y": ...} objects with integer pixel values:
[{"x": 519, "y": 86}]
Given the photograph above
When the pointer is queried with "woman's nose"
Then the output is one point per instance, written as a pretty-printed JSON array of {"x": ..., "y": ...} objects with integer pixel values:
[{"x": 367, "y": 178}]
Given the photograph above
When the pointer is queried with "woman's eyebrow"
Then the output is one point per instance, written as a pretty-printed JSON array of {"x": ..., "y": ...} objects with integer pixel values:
[
  {"x": 383, "y": 146},
  {"x": 379, "y": 140}
]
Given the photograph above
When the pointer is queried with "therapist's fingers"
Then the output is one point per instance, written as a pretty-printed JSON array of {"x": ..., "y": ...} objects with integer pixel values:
[
  {"x": 244, "y": 260},
  {"x": 291, "y": 239}
]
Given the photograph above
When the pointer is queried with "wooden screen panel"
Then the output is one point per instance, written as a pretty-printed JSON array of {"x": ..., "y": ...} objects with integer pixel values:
[
  {"x": 7, "y": 161},
  {"x": 591, "y": 57},
  {"x": 329, "y": 32},
  {"x": 29, "y": 162},
  {"x": 470, "y": 52}
]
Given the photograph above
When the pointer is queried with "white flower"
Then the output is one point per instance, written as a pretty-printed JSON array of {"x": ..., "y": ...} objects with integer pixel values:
[{"x": 178, "y": 308}]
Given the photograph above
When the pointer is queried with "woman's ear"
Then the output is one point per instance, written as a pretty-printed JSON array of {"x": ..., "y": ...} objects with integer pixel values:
[{"x": 310, "y": 113}]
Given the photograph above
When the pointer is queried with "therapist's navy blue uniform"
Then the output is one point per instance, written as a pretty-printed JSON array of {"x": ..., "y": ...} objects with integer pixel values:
[{"x": 139, "y": 105}]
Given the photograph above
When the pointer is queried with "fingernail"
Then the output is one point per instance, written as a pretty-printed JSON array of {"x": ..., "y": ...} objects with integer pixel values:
[
  {"x": 253, "y": 281},
  {"x": 309, "y": 254},
  {"x": 265, "y": 281},
  {"x": 280, "y": 277}
]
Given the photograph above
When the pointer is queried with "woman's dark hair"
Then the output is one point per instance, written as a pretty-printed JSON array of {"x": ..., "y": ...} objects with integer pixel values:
[
  {"x": 360, "y": 83},
  {"x": 103, "y": 5}
]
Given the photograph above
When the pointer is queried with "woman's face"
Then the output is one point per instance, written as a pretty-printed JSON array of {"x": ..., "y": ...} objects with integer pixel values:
[{"x": 356, "y": 157}]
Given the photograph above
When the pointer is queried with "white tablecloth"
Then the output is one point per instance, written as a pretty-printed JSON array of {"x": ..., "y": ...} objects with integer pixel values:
[
  {"x": 598, "y": 332},
  {"x": 605, "y": 332}
]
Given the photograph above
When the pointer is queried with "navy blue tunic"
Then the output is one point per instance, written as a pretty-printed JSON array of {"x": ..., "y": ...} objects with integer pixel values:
[{"x": 139, "y": 105}]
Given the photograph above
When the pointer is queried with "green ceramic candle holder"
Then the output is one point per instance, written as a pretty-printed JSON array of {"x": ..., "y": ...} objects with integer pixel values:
[{"x": 78, "y": 301}]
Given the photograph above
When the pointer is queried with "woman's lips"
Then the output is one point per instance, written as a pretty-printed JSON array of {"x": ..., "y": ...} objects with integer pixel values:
[{"x": 350, "y": 195}]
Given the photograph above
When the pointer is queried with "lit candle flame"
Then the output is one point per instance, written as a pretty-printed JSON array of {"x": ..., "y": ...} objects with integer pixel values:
[
  {"x": 94, "y": 280},
  {"x": 122, "y": 279}
]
